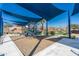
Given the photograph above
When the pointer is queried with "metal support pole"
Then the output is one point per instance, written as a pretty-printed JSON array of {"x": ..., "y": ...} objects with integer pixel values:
[
  {"x": 35, "y": 27},
  {"x": 69, "y": 25},
  {"x": 46, "y": 28},
  {"x": 23, "y": 30},
  {"x": 1, "y": 24},
  {"x": 28, "y": 26}
]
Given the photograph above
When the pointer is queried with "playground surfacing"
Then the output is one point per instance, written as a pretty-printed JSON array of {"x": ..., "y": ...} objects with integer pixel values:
[{"x": 32, "y": 45}]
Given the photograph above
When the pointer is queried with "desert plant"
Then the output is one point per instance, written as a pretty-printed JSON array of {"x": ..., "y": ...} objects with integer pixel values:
[
  {"x": 64, "y": 33},
  {"x": 52, "y": 33},
  {"x": 60, "y": 32},
  {"x": 73, "y": 37}
]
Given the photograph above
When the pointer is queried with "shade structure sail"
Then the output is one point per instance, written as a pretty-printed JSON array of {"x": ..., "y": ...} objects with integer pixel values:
[
  {"x": 29, "y": 19},
  {"x": 76, "y": 9},
  {"x": 45, "y": 10},
  {"x": 15, "y": 22},
  {"x": 19, "y": 12},
  {"x": 11, "y": 17},
  {"x": 24, "y": 13},
  {"x": 14, "y": 8}
]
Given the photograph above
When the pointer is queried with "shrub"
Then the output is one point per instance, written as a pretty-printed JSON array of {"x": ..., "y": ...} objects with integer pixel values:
[
  {"x": 73, "y": 37},
  {"x": 64, "y": 33},
  {"x": 52, "y": 33}
]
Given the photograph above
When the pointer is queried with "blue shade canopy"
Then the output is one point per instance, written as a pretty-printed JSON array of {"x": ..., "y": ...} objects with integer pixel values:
[
  {"x": 29, "y": 19},
  {"x": 14, "y": 22},
  {"x": 14, "y": 8},
  {"x": 19, "y": 12},
  {"x": 25, "y": 13},
  {"x": 12, "y": 18},
  {"x": 65, "y": 6},
  {"x": 76, "y": 9},
  {"x": 45, "y": 10},
  {"x": 0, "y": 5}
]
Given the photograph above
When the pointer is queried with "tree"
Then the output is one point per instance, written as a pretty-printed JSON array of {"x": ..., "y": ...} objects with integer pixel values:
[
  {"x": 52, "y": 33},
  {"x": 74, "y": 26}
]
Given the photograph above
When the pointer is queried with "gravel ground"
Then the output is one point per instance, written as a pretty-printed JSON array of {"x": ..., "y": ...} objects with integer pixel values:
[{"x": 31, "y": 45}]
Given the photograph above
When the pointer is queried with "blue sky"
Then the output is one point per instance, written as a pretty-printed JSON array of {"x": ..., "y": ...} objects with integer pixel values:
[{"x": 61, "y": 20}]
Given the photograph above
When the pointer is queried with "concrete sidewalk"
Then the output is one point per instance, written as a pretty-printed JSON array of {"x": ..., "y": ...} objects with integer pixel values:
[
  {"x": 64, "y": 47},
  {"x": 8, "y": 48}
]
